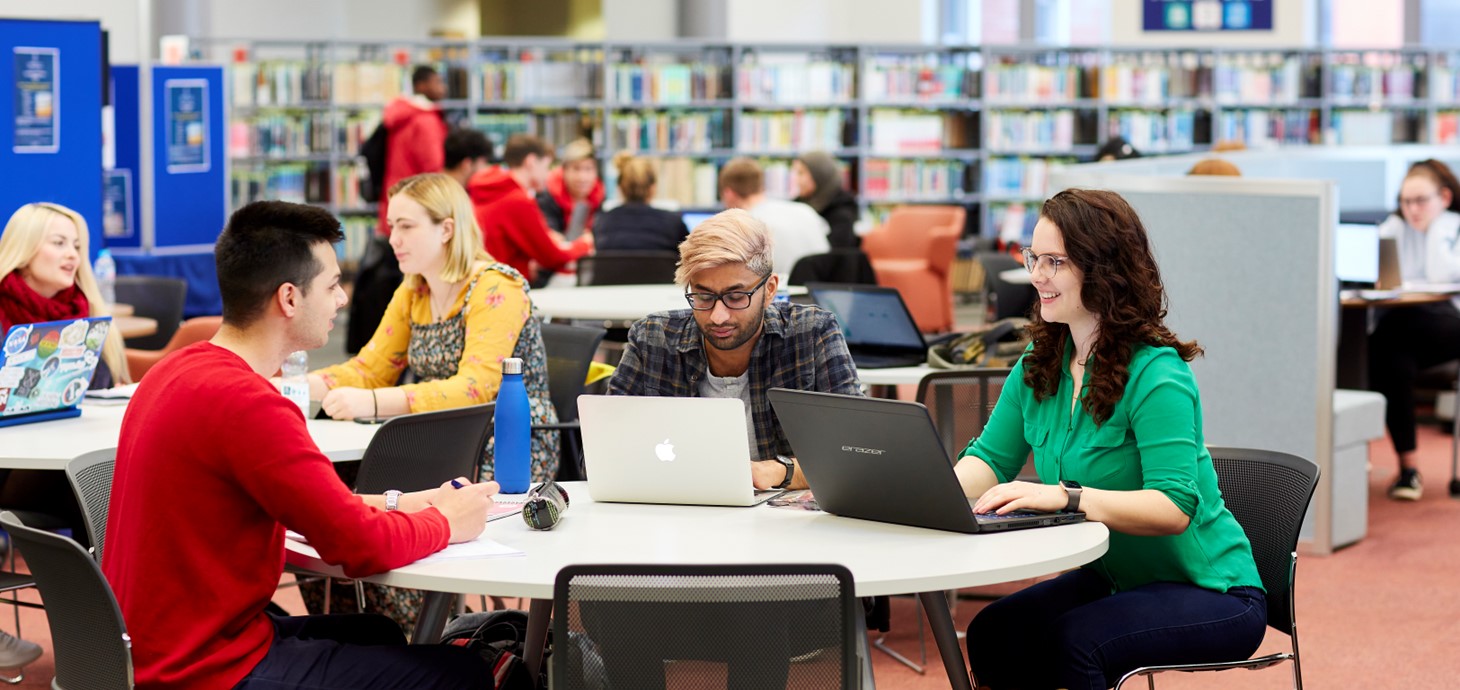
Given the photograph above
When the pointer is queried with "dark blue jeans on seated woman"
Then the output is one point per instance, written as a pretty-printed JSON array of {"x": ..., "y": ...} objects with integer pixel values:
[
  {"x": 360, "y": 651},
  {"x": 1071, "y": 632}
]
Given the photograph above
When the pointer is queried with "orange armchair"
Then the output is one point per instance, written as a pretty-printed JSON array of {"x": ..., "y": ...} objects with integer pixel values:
[
  {"x": 191, "y": 331},
  {"x": 913, "y": 252}
]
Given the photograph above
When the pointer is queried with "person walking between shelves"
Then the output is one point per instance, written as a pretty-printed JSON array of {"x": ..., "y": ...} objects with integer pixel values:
[
  {"x": 416, "y": 131},
  {"x": 513, "y": 229},
  {"x": 796, "y": 229},
  {"x": 1408, "y": 340}
]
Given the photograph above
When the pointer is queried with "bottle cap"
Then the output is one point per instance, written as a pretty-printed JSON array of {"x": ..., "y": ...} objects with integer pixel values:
[{"x": 512, "y": 365}]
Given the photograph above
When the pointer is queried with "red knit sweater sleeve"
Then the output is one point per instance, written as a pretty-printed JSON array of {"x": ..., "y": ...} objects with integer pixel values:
[{"x": 529, "y": 230}]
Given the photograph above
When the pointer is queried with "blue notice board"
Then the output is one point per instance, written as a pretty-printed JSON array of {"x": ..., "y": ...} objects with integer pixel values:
[
  {"x": 1208, "y": 15},
  {"x": 187, "y": 125},
  {"x": 117, "y": 221},
  {"x": 37, "y": 99}
]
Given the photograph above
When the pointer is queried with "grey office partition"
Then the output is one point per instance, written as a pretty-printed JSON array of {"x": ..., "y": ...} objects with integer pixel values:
[{"x": 1248, "y": 268}]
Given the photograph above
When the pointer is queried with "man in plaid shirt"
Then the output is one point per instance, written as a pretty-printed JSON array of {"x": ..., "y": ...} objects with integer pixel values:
[{"x": 736, "y": 341}]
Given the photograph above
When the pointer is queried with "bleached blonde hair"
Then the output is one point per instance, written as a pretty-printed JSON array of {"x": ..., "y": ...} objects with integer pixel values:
[
  {"x": 728, "y": 237},
  {"x": 444, "y": 197},
  {"x": 21, "y": 241}
]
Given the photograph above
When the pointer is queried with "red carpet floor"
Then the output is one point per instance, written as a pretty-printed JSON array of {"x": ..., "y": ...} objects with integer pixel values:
[{"x": 1384, "y": 613}]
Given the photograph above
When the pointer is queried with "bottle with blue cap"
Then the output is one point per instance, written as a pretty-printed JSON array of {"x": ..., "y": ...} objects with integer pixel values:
[{"x": 512, "y": 431}]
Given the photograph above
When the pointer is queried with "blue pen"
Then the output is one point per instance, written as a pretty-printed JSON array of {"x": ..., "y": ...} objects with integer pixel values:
[{"x": 456, "y": 484}]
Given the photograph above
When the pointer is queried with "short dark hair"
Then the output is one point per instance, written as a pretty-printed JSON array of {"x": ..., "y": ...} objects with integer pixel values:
[
  {"x": 520, "y": 146},
  {"x": 422, "y": 74},
  {"x": 466, "y": 144},
  {"x": 264, "y": 245}
]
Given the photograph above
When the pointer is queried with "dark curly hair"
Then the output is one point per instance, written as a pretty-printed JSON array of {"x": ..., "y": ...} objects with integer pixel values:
[{"x": 1122, "y": 288}]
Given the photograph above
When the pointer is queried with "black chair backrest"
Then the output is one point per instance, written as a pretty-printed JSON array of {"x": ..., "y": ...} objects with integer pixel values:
[
  {"x": 90, "y": 475},
  {"x": 960, "y": 402},
  {"x": 156, "y": 297},
  {"x": 835, "y": 266},
  {"x": 627, "y": 268},
  {"x": 88, "y": 637},
  {"x": 570, "y": 351},
  {"x": 1268, "y": 492},
  {"x": 1006, "y": 299},
  {"x": 619, "y": 624},
  {"x": 424, "y": 450}
]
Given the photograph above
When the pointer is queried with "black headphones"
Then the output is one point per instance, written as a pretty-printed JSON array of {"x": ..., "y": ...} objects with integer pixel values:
[{"x": 545, "y": 506}]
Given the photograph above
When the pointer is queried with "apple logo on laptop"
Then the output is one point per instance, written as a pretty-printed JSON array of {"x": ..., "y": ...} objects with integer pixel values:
[{"x": 665, "y": 451}]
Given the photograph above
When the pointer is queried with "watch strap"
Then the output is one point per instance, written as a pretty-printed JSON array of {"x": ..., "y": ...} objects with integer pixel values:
[{"x": 790, "y": 471}]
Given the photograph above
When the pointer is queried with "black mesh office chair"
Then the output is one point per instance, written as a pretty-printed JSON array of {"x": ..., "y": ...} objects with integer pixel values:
[
  {"x": 1268, "y": 492},
  {"x": 90, "y": 475},
  {"x": 627, "y": 268},
  {"x": 421, "y": 451},
  {"x": 88, "y": 637},
  {"x": 618, "y": 625},
  {"x": 570, "y": 351},
  {"x": 1004, "y": 299},
  {"x": 158, "y": 298}
]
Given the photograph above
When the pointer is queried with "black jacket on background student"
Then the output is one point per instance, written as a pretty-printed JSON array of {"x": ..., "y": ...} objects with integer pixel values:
[{"x": 639, "y": 227}]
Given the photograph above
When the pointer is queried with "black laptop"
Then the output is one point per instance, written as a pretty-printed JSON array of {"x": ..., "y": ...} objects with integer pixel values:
[
  {"x": 882, "y": 460},
  {"x": 879, "y": 330}
]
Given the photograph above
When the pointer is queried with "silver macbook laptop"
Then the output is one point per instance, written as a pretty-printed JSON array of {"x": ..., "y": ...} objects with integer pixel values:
[{"x": 683, "y": 451}]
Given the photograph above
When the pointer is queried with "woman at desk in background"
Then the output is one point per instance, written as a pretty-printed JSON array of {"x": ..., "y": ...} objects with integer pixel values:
[
  {"x": 1111, "y": 411},
  {"x": 818, "y": 181},
  {"x": 455, "y": 317},
  {"x": 635, "y": 225},
  {"x": 1411, "y": 339}
]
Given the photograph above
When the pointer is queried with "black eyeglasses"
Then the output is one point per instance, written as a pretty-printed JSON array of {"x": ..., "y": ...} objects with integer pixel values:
[{"x": 735, "y": 299}]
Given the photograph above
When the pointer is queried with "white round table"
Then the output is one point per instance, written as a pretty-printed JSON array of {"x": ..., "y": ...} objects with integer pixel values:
[
  {"x": 613, "y": 302},
  {"x": 883, "y": 558}
]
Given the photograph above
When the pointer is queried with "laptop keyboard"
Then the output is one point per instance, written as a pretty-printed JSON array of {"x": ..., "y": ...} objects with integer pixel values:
[{"x": 1011, "y": 515}]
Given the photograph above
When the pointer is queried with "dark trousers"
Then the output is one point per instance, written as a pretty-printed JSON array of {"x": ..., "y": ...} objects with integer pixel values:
[
  {"x": 362, "y": 650},
  {"x": 1409, "y": 340},
  {"x": 1071, "y": 632}
]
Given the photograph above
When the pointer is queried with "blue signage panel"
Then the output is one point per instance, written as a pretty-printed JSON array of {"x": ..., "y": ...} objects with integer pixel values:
[
  {"x": 187, "y": 125},
  {"x": 116, "y": 205},
  {"x": 1208, "y": 15},
  {"x": 37, "y": 100}
]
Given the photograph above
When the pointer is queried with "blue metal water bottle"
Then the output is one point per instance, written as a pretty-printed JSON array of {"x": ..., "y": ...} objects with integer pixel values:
[{"x": 512, "y": 431}]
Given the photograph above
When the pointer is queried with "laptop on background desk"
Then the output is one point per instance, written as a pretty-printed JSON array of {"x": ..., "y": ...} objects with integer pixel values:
[
  {"x": 879, "y": 330},
  {"x": 882, "y": 460},
  {"x": 680, "y": 451},
  {"x": 45, "y": 368}
]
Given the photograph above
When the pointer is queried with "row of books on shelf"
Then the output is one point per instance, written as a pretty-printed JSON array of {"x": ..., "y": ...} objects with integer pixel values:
[
  {"x": 529, "y": 82},
  {"x": 800, "y": 130},
  {"x": 914, "y": 83},
  {"x": 1020, "y": 177},
  {"x": 685, "y": 131},
  {"x": 1283, "y": 82},
  {"x": 1444, "y": 84},
  {"x": 1359, "y": 82},
  {"x": 918, "y": 179},
  {"x": 1042, "y": 130},
  {"x": 1139, "y": 83},
  {"x": 796, "y": 82},
  {"x": 556, "y": 128},
  {"x": 358, "y": 231},
  {"x": 922, "y": 131},
  {"x": 1029, "y": 83},
  {"x": 1154, "y": 132},
  {"x": 295, "y": 182},
  {"x": 1445, "y": 128},
  {"x": 668, "y": 83},
  {"x": 288, "y": 82},
  {"x": 692, "y": 183},
  {"x": 1378, "y": 127},
  {"x": 294, "y": 134},
  {"x": 1266, "y": 128}
]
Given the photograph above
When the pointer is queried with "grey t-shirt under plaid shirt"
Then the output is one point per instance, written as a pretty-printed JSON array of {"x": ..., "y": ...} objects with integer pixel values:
[{"x": 800, "y": 347}]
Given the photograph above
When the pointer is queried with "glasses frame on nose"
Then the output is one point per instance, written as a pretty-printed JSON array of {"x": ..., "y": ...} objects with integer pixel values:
[
  {"x": 1034, "y": 263},
  {"x": 725, "y": 297},
  {"x": 1416, "y": 201}
]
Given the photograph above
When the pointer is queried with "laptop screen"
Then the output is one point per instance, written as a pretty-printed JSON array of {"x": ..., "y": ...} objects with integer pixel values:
[
  {"x": 693, "y": 220},
  {"x": 871, "y": 317},
  {"x": 1356, "y": 253}
]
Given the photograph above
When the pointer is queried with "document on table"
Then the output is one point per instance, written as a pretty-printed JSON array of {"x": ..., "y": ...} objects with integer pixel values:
[
  {"x": 112, "y": 396},
  {"x": 480, "y": 548}
]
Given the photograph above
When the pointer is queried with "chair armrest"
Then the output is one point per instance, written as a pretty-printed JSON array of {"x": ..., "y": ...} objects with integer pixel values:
[
  {"x": 565, "y": 426},
  {"x": 942, "y": 249}
]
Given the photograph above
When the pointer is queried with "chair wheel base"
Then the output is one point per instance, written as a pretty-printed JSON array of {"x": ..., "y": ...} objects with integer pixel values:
[{"x": 1455, "y": 488}]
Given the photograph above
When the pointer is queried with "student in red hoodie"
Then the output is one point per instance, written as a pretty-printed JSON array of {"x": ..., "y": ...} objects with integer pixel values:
[
  {"x": 416, "y": 131},
  {"x": 513, "y": 229},
  {"x": 213, "y": 464},
  {"x": 571, "y": 185}
]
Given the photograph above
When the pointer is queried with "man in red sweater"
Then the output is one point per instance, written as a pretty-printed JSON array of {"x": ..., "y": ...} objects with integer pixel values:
[
  {"x": 513, "y": 229},
  {"x": 416, "y": 131},
  {"x": 213, "y": 464}
]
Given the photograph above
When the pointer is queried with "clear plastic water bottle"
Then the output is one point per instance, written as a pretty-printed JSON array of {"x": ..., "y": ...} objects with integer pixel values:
[
  {"x": 512, "y": 431},
  {"x": 296, "y": 380},
  {"x": 105, "y": 270}
]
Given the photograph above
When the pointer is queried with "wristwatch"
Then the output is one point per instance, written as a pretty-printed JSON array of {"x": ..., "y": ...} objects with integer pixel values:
[
  {"x": 790, "y": 471},
  {"x": 1072, "y": 489},
  {"x": 392, "y": 500}
]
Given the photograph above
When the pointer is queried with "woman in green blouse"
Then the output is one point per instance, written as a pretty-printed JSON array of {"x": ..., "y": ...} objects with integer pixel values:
[{"x": 1110, "y": 409}]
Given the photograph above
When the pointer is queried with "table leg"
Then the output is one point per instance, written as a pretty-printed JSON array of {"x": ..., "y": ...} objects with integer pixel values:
[
  {"x": 539, "y": 616},
  {"x": 432, "y": 620},
  {"x": 935, "y": 605}
]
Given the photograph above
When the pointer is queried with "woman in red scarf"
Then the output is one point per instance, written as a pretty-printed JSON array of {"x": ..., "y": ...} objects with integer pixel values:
[{"x": 45, "y": 276}]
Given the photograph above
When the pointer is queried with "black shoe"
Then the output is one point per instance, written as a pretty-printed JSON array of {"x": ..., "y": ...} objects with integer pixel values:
[{"x": 1407, "y": 487}]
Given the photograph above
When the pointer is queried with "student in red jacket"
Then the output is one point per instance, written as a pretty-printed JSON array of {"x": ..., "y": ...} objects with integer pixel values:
[
  {"x": 415, "y": 140},
  {"x": 513, "y": 228},
  {"x": 213, "y": 464},
  {"x": 573, "y": 185}
]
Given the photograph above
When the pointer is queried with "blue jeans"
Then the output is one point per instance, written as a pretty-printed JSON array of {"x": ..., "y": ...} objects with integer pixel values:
[
  {"x": 360, "y": 651},
  {"x": 1071, "y": 632}
]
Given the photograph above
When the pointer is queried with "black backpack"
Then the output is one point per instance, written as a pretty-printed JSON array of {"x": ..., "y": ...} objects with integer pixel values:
[
  {"x": 373, "y": 151},
  {"x": 499, "y": 637}
]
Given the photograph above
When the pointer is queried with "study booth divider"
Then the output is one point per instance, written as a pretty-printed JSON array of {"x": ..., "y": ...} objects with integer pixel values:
[{"x": 1248, "y": 270}]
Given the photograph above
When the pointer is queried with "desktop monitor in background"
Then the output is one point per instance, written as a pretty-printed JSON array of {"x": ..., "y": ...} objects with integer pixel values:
[
  {"x": 693, "y": 220},
  {"x": 1356, "y": 254}
]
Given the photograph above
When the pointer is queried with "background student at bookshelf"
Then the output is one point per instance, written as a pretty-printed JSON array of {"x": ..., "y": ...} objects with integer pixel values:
[
  {"x": 635, "y": 225},
  {"x": 818, "y": 181},
  {"x": 574, "y": 192},
  {"x": 415, "y": 133},
  {"x": 513, "y": 229},
  {"x": 1408, "y": 340},
  {"x": 796, "y": 230}
]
